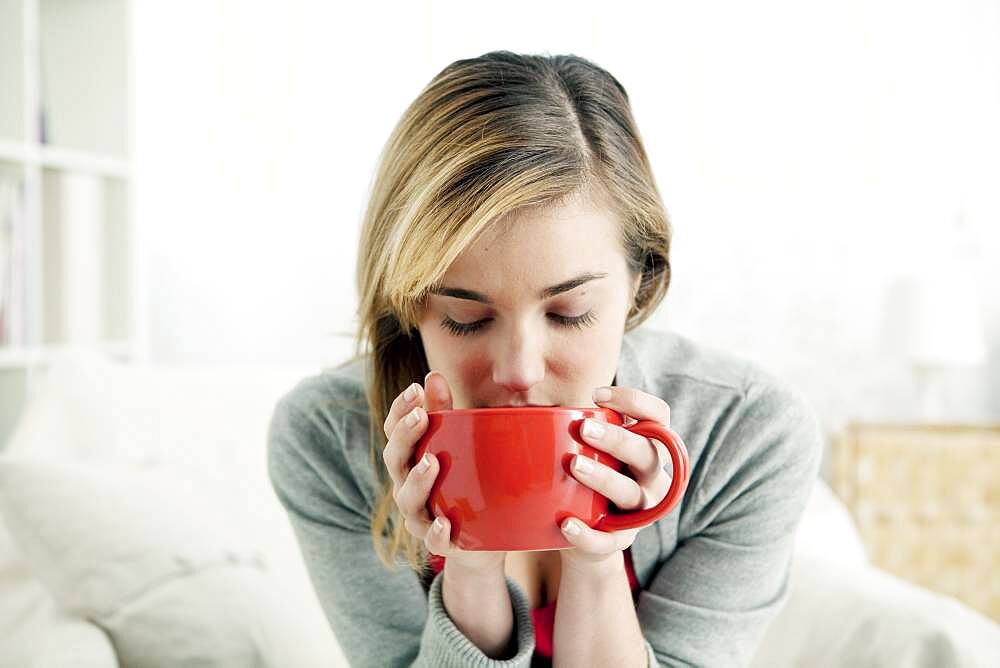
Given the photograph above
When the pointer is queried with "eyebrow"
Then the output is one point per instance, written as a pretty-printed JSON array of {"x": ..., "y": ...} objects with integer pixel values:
[{"x": 548, "y": 292}]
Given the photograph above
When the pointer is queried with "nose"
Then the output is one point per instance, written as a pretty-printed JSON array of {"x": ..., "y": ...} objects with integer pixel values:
[{"x": 519, "y": 362}]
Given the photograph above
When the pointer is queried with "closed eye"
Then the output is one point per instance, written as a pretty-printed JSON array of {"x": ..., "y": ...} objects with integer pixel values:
[{"x": 588, "y": 319}]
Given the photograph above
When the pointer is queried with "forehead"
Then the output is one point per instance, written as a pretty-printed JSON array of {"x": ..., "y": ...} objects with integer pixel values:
[{"x": 541, "y": 246}]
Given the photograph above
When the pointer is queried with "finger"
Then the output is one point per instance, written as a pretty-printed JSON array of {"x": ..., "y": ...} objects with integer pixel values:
[
  {"x": 438, "y": 538},
  {"x": 399, "y": 449},
  {"x": 594, "y": 542},
  {"x": 643, "y": 455},
  {"x": 637, "y": 404},
  {"x": 621, "y": 490},
  {"x": 411, "y": 497},
  {"x": 402, "y": 405},
  {"x": 438, "y": 392}
]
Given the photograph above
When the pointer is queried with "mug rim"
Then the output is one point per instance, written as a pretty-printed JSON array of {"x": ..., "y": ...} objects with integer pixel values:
[{"x": 516, "y": 409}]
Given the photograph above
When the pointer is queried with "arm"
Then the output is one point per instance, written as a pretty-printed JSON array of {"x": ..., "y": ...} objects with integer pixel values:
[
  {"x": 380, "y": 617},
  {"x": 714, "y": 596},
  {"x": 712, "y": 599},
  {"x": 480, "y": 607},
  {"x": 595, "y": 620}
]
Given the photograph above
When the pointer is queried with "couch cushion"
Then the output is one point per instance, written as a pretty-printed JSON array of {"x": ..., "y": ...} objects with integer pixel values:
[
  {"x": 141, "y": 554},
  {"x": 98, "y": 536},
  {"x": 223, "y": 615},
  {"x": 827, "y": 530},
  {"x": 34, "y": 630},
  {"x": 856, "y": 615},
  {"x": 206, "y": 424}
]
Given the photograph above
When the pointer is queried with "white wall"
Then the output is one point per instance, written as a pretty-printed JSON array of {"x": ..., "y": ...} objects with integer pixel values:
[{"x": 809, "y": 154}]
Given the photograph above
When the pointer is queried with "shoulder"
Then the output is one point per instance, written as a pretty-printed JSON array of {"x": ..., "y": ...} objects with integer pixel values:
[
  {"x": 669, "y": 358},
  {"x": 692, "y": 373},
  {"x": 334, "y": 396},
  {"x": 727, "y": 408},
  {"x": 318, "y": 433}
]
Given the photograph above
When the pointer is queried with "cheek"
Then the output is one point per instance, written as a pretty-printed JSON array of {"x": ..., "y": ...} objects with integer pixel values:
[
  {"x": 576, "y": 364},
  {"x": 472, "y": 369},
  {"x": 592, "y": 355}
]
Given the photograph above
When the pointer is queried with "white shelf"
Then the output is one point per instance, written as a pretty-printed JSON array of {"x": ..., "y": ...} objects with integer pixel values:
[
  {"x": 54, "y": 157},
  {"x": 19, "y": 358},
  {"x": 82, "y": 161},
  {"x": 12, "y": 151},
  {"x": 66, "y": 131}
]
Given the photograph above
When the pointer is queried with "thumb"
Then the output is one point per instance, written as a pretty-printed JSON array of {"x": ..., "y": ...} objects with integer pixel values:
[{"x": 437, "y": 391}]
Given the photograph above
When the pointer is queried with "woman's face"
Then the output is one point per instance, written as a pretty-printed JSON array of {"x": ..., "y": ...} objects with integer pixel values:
[{"x": 533, "y": 312}]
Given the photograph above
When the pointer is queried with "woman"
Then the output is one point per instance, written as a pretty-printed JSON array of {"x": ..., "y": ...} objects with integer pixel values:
[{"x": 513, "y": 244}]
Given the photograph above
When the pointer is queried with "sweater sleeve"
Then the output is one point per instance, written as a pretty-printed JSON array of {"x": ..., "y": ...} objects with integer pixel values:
[
  {"x": 380, "y": 617},
  {"x": 712, "y": 599}
]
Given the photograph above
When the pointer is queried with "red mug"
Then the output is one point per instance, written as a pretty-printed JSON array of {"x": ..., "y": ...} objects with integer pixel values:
[{"x": 505, "y": 484}]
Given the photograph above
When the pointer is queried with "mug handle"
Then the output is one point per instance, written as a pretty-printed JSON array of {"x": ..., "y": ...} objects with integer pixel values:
[{"x": 678, "y": 457}]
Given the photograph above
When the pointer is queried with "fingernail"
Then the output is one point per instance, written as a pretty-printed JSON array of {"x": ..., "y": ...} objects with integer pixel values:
[
  {"x": 583, "y": 464},
  {"x": 425, "y": 463},
  {"x": 571, "y": 528},
  {"x": 438, "y": 525},
  {"x": 411, "y": 393},
  {"x": 593, "y": 428},
  {"x": 602, "y": 394},
  {"x": 413, "y": 417}
]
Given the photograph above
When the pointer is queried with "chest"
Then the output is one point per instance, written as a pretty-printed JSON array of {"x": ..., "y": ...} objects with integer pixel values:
[{"x": 537, "y": 573}]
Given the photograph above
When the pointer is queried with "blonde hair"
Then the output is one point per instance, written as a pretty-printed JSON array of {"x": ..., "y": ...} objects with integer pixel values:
[{"x": 488, "y": 136}]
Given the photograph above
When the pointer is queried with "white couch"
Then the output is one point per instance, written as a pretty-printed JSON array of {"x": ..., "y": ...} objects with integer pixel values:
[{"x": 139, "y": 528}]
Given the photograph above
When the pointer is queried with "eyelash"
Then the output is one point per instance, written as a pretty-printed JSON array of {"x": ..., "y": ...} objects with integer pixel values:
[{"x": 463, "y": 329}]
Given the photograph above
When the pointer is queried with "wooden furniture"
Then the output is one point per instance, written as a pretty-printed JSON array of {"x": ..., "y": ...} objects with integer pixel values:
[{"x": 926, "y": 499}]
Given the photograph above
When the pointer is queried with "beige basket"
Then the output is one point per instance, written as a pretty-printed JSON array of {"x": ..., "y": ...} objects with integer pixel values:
[{"x": 926, "y": 499}]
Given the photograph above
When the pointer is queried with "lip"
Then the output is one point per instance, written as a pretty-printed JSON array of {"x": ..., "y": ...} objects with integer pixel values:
[
  {"x": 492, "y": 410},
  {"x": 522, "y": 405}
]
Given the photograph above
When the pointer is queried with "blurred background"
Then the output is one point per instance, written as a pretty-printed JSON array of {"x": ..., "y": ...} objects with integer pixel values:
[
  {"x": 184, "y": 181},
  {"x": 181, "y": 184}
]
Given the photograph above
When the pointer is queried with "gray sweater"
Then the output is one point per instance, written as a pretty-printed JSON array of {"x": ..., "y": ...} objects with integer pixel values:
[{"x": 713, "y": 572}]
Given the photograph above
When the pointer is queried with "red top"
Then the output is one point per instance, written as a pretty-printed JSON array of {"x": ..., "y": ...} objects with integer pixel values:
[{"x": 544, "y": 617}]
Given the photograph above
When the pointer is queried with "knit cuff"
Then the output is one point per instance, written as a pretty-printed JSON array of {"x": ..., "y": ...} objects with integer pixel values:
[{"x": 443, "y": 644}]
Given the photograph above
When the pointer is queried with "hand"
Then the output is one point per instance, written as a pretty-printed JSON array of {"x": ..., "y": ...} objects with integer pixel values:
[
  {"x": 411, "y": 487},
  {"x": 646, "y": 487}
]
